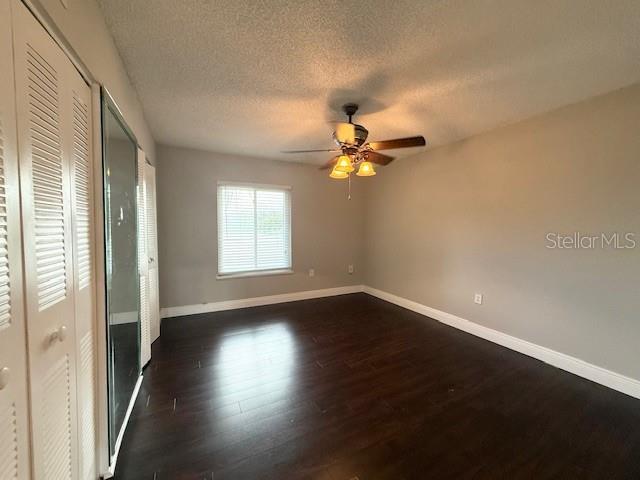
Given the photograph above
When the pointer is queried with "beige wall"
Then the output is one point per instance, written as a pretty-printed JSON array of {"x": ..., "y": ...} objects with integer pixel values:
[
  {"x": 326, "y": 227},
  {"x": 440, "y": 226},
  {"x": 83, "y": 27},
  {"x": 473, "y": 217}
]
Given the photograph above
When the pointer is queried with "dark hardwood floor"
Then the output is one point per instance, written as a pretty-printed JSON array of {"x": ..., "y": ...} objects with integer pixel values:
[{"x": 352, "y": 387}]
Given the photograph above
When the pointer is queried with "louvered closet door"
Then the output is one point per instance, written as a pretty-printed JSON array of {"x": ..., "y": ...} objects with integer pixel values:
[
  {"x": 44, "y": 109},
  {"x": 14, "y": 426},
  {"x": 145, "y": 332},
  {"x": 152, "y": 250},
  {"x": 83, "y": 279}
]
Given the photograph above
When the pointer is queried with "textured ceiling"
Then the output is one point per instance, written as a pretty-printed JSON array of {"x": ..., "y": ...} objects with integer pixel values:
[{"x": 257, "y": 77}]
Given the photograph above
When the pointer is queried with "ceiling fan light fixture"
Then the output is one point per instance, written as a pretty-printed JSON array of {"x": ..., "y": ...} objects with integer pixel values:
[
  {"x": 344, "y": 164},
  {"x": 366, "y": 170},
  {"x": 345, "y": 133},
  {"x": 337, "y": 174}
]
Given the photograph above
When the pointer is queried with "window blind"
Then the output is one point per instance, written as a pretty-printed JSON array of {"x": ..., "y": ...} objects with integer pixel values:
[{"x": 254, "y": 228}]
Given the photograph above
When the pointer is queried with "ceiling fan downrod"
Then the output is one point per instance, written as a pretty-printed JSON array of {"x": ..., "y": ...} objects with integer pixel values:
[{"x": 350, "y": 110}]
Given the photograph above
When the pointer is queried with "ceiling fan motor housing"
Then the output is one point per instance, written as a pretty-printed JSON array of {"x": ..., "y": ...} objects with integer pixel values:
[{"x": 360, "y": 135}]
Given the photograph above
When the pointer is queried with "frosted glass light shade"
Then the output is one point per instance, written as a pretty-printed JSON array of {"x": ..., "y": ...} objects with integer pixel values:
[
  {"x": 338, "y": 174},
  {"x": 366, "y": 170},
  {"x": 344, "y": 164}
]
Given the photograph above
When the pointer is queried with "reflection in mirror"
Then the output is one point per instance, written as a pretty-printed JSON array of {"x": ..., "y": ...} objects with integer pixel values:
[{"x": 122, "y": 288}]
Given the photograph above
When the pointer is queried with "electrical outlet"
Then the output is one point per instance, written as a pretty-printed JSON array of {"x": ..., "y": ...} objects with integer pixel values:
[
  {"x": 312, "y": 272},
  {"x": 350, "y": 269},
  {"x": 477, "y": 298}
]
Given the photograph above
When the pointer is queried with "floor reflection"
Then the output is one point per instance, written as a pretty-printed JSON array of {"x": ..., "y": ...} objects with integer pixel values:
[
  {"x": 123, "y": 348},
  {"x": 253, "y": 367}
]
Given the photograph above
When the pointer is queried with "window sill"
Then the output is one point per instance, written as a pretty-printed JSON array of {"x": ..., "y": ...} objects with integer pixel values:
[{"x": 257, "y": 273}]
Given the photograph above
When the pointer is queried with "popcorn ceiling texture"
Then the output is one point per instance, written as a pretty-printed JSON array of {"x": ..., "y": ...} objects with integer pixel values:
[{"x": 257, "y": 77}]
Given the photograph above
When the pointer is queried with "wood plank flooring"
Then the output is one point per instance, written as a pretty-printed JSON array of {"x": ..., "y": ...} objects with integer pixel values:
[{"x": 352, "y": 387}]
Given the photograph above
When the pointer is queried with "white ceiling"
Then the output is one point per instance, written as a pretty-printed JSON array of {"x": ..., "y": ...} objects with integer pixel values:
[{"x": 256, "y": 77}]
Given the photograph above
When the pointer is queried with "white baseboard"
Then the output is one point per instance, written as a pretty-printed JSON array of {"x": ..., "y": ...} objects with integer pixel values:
[
  {"x": 256, "y": 301},
  {"x": 571, "y": 364}
]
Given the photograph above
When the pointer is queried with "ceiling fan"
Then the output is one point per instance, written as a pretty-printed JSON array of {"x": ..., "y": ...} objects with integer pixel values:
[{"x": 354, "y": 152}]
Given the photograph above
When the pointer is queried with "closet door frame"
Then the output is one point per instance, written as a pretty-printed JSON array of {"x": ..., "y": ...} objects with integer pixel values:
[
  {"x": 143, "y": 261},
  {"x": 151, "y": 218},
  {"x": 83, "y": 220},
  {"x": 108, "y": 103},
  {"x": 103, "y": 460},
  {"x": 104, "y": 463},
  {"x": 43, "y": 79}
]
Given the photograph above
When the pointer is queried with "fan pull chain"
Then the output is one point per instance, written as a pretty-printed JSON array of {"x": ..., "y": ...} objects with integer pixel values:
[{"x": 349, "y": 197}]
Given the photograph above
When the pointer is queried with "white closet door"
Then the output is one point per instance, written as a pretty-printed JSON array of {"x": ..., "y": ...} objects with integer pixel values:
[
  {"x": 83, "y": 282},
  {"x": 14, "y": 423},
  {"x": 145, "y": 336},
  {"x": 152, "y": 250},
  {"x": 45, "y": 138}
]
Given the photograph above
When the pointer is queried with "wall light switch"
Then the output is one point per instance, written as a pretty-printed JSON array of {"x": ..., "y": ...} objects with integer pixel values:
[
  {"x": 478, "y": 298},
  {"x": 312, "y": 272},
  {"x": 350, "y": 269}
]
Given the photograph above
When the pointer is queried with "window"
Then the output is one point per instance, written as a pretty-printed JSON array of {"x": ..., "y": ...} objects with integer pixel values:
[{"x": 254, "y": 229}]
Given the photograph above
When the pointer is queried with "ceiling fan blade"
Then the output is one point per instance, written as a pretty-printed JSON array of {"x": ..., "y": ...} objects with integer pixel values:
[
  {"x": 312, "y": 151},
  {"x": 398, "y": 143},
  {"x": 324, "y": 150},
  {"x": 379, "y": 158},
  {"x": 330, "y": 163},
  {"x": 345, "y": 133}
]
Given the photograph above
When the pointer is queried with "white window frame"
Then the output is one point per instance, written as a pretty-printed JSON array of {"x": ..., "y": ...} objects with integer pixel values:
[{"x": 254, "y": 273}]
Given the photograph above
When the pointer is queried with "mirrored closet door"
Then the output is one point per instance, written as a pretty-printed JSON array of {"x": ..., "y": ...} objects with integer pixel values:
[{"x": 121, "y": 257}]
